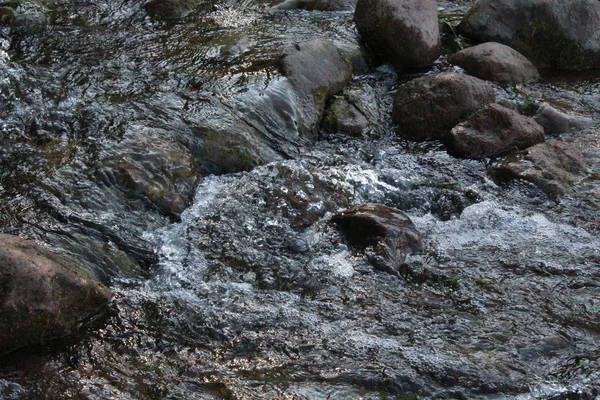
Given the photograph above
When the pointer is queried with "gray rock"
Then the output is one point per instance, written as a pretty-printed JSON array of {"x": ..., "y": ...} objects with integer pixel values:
[
  {"x": 554, "y": 166},
  {"x": 555, "y": 121},
  {"x": 170, "y": 10},
  {"x": 386, "y": 233},
  {"x": 496, "y": 62},
  {"x": 317, "y": 5},
  {"x": 493, "y": 130},
  {"x": 403, "y": 32},
  {"x": 550, "y": 33},
  {"x": 43, "y": 296},
  {"x": 316, "y": 71},
  {"x": 428, "y": 107},
  {"x": 344, "y": 117}
]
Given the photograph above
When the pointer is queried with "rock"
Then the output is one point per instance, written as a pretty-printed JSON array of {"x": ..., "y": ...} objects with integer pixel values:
[
  {"x": 170, "y": 10},
  {"x": 388, "y": 231},
  {"x": 496, "y": 62},
  {"x": 428, "y": 107},
  {"x": 555, "y": 121},
  {"x": 353, "y": 54},
  {"x": 552, "y": 34},
  {"x": 316, "y": 71},
  {"x": 150, "y": 163},
  {"x": 493, "y": 130},
  {"x": 554, "y": 166},
  {"x": 44, "y": 295},
  {"x": 344, "y": 117},
  {"x": 317, "y": 5},
  {"x": 403, "y": 32}
]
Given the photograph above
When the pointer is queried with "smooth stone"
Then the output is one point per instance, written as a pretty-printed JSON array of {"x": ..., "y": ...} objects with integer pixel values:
[{"x": 555, "y": 121}]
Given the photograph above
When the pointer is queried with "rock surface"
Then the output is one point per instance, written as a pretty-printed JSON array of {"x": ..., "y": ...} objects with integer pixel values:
[
  {"x": 554, "y": 166},
  {"x": 428, "y": 107},
  {"x": 317, "y": 5},
  {"x": 170, "y": 10},
  {"x": 555, "y": 121},
  {"x": 496, "y": 62},
  {"x": 493, "y": 130},
  {"x": 43, "y": 295},
  {"x": 387, "y": 234},
  {"x": 403, "y": 32},
  {"x": 550, "y": 33},
  {"x": 316, "y": 71}
]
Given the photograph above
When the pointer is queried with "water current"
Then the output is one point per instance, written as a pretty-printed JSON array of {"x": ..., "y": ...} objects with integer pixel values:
[{"x": 164, "y": 157}]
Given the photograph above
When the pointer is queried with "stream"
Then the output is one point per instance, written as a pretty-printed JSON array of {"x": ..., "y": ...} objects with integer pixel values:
[{"x": 164, "y": 157}]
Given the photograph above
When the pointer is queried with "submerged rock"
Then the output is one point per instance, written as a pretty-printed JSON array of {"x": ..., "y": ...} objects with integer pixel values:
[
  {"x": 554, "y": 166},
  {"x": 555, "y": 121},
  {"x": 317, "y": 5},
  {"x": 171, "y": 10},
  {"x": 44, "y": 295},
  {"x": 428, "y": 107},
  {"x": 316, "y": 71},
  {"x": 388, "y": 231},
  {"x": 403, "y": 32},
  {"x": 344, "y": 117},
  {"x": 493, "y": 130},
  {"x": 496, "y": 62},
  {"x": 552, "y": 34}
]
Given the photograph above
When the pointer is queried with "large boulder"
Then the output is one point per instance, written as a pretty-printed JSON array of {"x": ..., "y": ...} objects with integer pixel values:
[
  {"x": 317, "y": 5},
  {"x": 555, "y": 121},
  {"x": 496, "y": 62},
  {"x": 403, "y": 32},
  {"x": 554, "y": 166},
  {"x": 386, "y": 234},
  {"x": 316, "y": 71},
  {"x": 43, "y": 295},
  {"x": 493, "y": 130},
  {"x": 551, "y": 33},
  {"x": 427, "y": 108}
]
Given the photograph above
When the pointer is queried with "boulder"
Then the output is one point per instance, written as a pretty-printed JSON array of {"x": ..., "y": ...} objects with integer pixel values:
[
  {"x": 344, "y": 117},
  {"x": 385, "y": 233},
  {"x": 555, "y": 121},
  {"x": 317, "y": 5},
  {"x": 428, "y": 107},
  {"x": 404, "y": 33},
  {"x": 44, "y": 296},
  {"x": 496, "y": 62},
  {"x": 316, "y": 71},
  {"x": 149, "y": 162},
  {"x": 169, "y": 10},
  {"x": 554, "y": 166},
  {"x": 493, "y": 130},
  {"x": 552, "y": 34}
]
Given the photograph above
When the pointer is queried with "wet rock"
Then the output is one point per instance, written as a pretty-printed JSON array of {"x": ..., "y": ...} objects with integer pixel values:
[
  {"x": 493, "y": 130},
  {"x": 43, "y": 296},
  {"x": 552, "y": 34},
  {"x": 388, "y": 231},
  {"x": 555, "y": 121},
  {"x": 150, "y": 163},
  {"x": 353, "y": 54},
  {"x": 25, "y": 15},
  {"x": 171, "y": 10},
  {"x": 403, "y": 32},
  {"x": 316, "y": 71},
  {"x": 317, "y": 5},
  {"x": 496, "y": 62},
  {"x": 554, "y": 166},
  {"x": 427, "y": 108},
  {"x": 344, "y": 117}
]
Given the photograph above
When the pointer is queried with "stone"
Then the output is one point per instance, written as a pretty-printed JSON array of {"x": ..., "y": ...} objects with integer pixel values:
[
  {"x": 496, "y": 62},
  {"x": 428, "y": 108},
  {"x": 555, "y": 121},
  {"x": 317, "y": 5},
  {"x": 552, "y": 34},
  {"x": 385, "y": 233},
  {"x": 493, "y": 130},
  {"x": 404, "y": 33},
  {"x": 44, "y": 296},
  {"x": 554, "y": 166},
  {"x": 344, "y": 117},
  {"x": 170, "y": 10},
  {"x": 316, "y": 71}
]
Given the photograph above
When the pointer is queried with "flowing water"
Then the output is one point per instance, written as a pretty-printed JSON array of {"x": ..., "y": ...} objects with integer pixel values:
[{"x": 165, "y": 159}]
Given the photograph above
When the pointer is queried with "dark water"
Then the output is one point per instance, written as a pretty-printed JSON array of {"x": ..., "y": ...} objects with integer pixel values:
[{"x": 113, "y": 123}]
